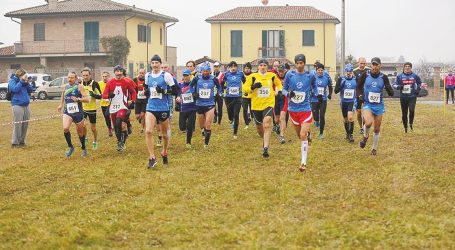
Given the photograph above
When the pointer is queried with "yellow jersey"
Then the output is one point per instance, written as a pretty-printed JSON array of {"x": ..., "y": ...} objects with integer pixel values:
[
  {"x": 248, "y": 92},
  {"x": 90, "y": 106},
  {"x": 103, "y": 102},
  {"x": 263, "y": 97}
]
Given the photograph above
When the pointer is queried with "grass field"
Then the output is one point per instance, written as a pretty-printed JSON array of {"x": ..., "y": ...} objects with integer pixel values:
[{"x": 228, "y": 196}]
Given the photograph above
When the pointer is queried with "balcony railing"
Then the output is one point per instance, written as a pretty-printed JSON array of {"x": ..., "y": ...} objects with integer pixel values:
[
  {"x": 58, "y": 47},
  {"x": 276, "y": 52}
]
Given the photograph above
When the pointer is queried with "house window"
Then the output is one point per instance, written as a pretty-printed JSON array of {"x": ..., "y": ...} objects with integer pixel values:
[
  {"x": 39, "y": 32},
  {"x": 144, "y": 33},
  {"x": 131, "y": 69},
  {"x": 236, "y": 43},
  {"x": 90, "y": 65},
  {"x": 273, "y": 43},
  {"x": 308, "y": 37},
  {"x": 161, "y": 36}
]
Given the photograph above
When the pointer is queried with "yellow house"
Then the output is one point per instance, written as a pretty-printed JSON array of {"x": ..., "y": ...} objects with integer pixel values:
[
  {"x": 245, "y": 34},
  {"x": 63, "y": 35}
]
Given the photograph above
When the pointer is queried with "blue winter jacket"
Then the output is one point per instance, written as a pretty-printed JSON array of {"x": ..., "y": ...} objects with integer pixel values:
[{"x": 19, "y": 91}]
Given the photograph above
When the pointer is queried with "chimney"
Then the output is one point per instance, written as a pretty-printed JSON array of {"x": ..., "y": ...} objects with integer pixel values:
[{"x": 52, "y": 4}]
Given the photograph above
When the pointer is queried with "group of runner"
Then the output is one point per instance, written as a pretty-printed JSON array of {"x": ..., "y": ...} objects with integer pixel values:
[{"x": 269, "y": 97}]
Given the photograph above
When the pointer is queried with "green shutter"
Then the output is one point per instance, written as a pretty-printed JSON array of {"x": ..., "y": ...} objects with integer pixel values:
[
  {"x": 236, "y": 43},
  {"x": 282, "y": 51},
  {"x": 91, "y": 36},
  {"x": 264, "y": 43}
]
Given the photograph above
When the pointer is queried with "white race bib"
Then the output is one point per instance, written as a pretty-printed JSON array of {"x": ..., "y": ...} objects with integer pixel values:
[
  {"x": 72, "y": 108},
  {"x": 141, "y": 95},
  {"x": 187, "y": 98},
  {"x": 348, "y": 94},
  {"x": 204, "y": 93},
  {"x": 234, "y": 90},
  {"x": 321, "y": 90},
  {"x": 406, "y": 89},
  {"x": 264, "y": 92},
  {"x": 114, "y": 108},
  {"x": 299, "y": 97},
  {"x": 374, "y": 97},
  {"x": 154, "y": 94}
]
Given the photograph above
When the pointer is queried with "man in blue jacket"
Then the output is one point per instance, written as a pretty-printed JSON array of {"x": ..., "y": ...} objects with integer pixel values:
[{"x": 20, "y": 89}]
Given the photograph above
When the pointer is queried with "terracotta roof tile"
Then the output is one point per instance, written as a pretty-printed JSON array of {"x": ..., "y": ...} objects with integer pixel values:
[
  {"x": 86, "y": 6},
  {"x": 273, "y": 13},
  {"x": 7, "y": 51}
]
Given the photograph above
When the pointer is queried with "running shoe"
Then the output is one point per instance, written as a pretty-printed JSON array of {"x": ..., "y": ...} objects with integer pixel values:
[
  {"x": 265, "y": 153},
  {"x": 246, "y": 127},
  {"x": 188, "y": 146},
  {"x": 410, "y": 126},
  {"x": 165, "y": 159},
  {"x": 406, "y": 130},
  {"x": 321, "y": 136},
  {"x": 282, "y": 140},
  {"x": 123, "y": 146},
  {"x": 84, "y": 153},
  {"x": 277, "y": 130},
  {"x": 158, "y": 143},
  {"x": 361, "y": 131},
  {"x": 206, "y": 146},
  {"x": 302, "y": 168},
  {"x": 235, "y": 137},
  {"x": 95, "y": 145},
  {"x": 363, "y": 142},
  {"x": 152, "y": 163},
  {"x": 202, "y": 131},
  {"x": 374, "y": 152},
  {"x": 69, "y": 152},
  {"x": 351, "y": 138},
  {"x": 119, "y": 146},
  {"x": 110, "y": 132}
]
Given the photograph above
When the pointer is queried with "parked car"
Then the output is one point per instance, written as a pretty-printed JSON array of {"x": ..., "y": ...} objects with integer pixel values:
[
  {"x": 396, "y": 93},
  {"x": 40, "y": 79},
  {"x": 52, "y": 89},
  {"x": 3, "y": 90}
]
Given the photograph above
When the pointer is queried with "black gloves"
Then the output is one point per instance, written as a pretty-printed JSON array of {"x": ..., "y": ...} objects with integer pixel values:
[
  {"x": 256, "y": 85},
  {"x": 320, "y": 98},
  {"x": 195, "y": 96},
  {"x": 330, "y": 97},
  {"x": 90, "y": 93},
  {"x": 291, "y": 94},
  {"x": 160, "y": 90},
  {"x": 111, "y": 95}
]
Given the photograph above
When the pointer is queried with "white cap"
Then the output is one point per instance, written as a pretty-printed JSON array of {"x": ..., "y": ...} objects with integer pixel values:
[{"x": 216, "y": 64}]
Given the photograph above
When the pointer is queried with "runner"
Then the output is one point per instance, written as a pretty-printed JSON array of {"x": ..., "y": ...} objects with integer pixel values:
[
  {"x": 157, "y": 82},
  {"x": 117, "y": 90},
  {"x": 346, "y": 86},
  {"x": 71, "y": 103},
  {"x": 218, "y": 101},
  {"x": 246, "y": 98},
  {"x": 104, "y": 103},
  {"x": 170, "y": 100},
  {"x": 319, "y": 98},
  {"x": 141, "y": 101},
  {"x": 191, "y": 65},
  {"x": 187, "y": 118},
  {"x": 263, "y": 100},
  {"x": 93, "y": 89},
  {"x": 298, "y": 86},
  {"x": 279, "y": 104},
  {"x": 409, "y": 85},
  {"x": 232, "y": 82},
  {"x": 370, "y": 88},
  {"x": 359, "y": 103},
  {"x": 202, "y": 88}
]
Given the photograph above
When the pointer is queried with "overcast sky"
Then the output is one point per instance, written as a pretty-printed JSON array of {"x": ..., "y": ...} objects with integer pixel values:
[{"x": 415, "y": 29}]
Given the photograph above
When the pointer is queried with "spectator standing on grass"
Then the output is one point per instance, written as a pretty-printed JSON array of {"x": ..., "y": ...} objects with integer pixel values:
[
  {"x": 20, "y": 88},
  {"x": 450, "y": 86}
]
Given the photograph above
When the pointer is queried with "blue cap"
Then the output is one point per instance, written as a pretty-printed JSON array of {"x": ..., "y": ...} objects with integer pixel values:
[
  {"x": 206, "y": 66},
  {"x": 186, "y": 72},
  {"x": 348, "y": 68}
]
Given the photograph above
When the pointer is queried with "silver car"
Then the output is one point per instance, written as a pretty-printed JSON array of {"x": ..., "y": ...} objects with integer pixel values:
[{"x": 52, "y": 89}]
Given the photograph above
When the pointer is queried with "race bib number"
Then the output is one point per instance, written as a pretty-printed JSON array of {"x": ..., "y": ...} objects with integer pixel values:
[
  {"x": 204, "y": 93},
  {"x": 72, "y": 108},
  {"x": 374, "y": 97},
  {"x": 348, "y": 94},
  {"x": 263, "y": 92},
  {"x": 187, "y": 98},
  {"x": 114, "y": 108},
  {"x": 154, "y": 94},
  {"x": 299, "y": 97},
  {"x": 141, "y": 95},
  {"x": 321, "y": 90},
  {"x": 234, "y": 91},
  {"x": 406, "y": 89}
]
